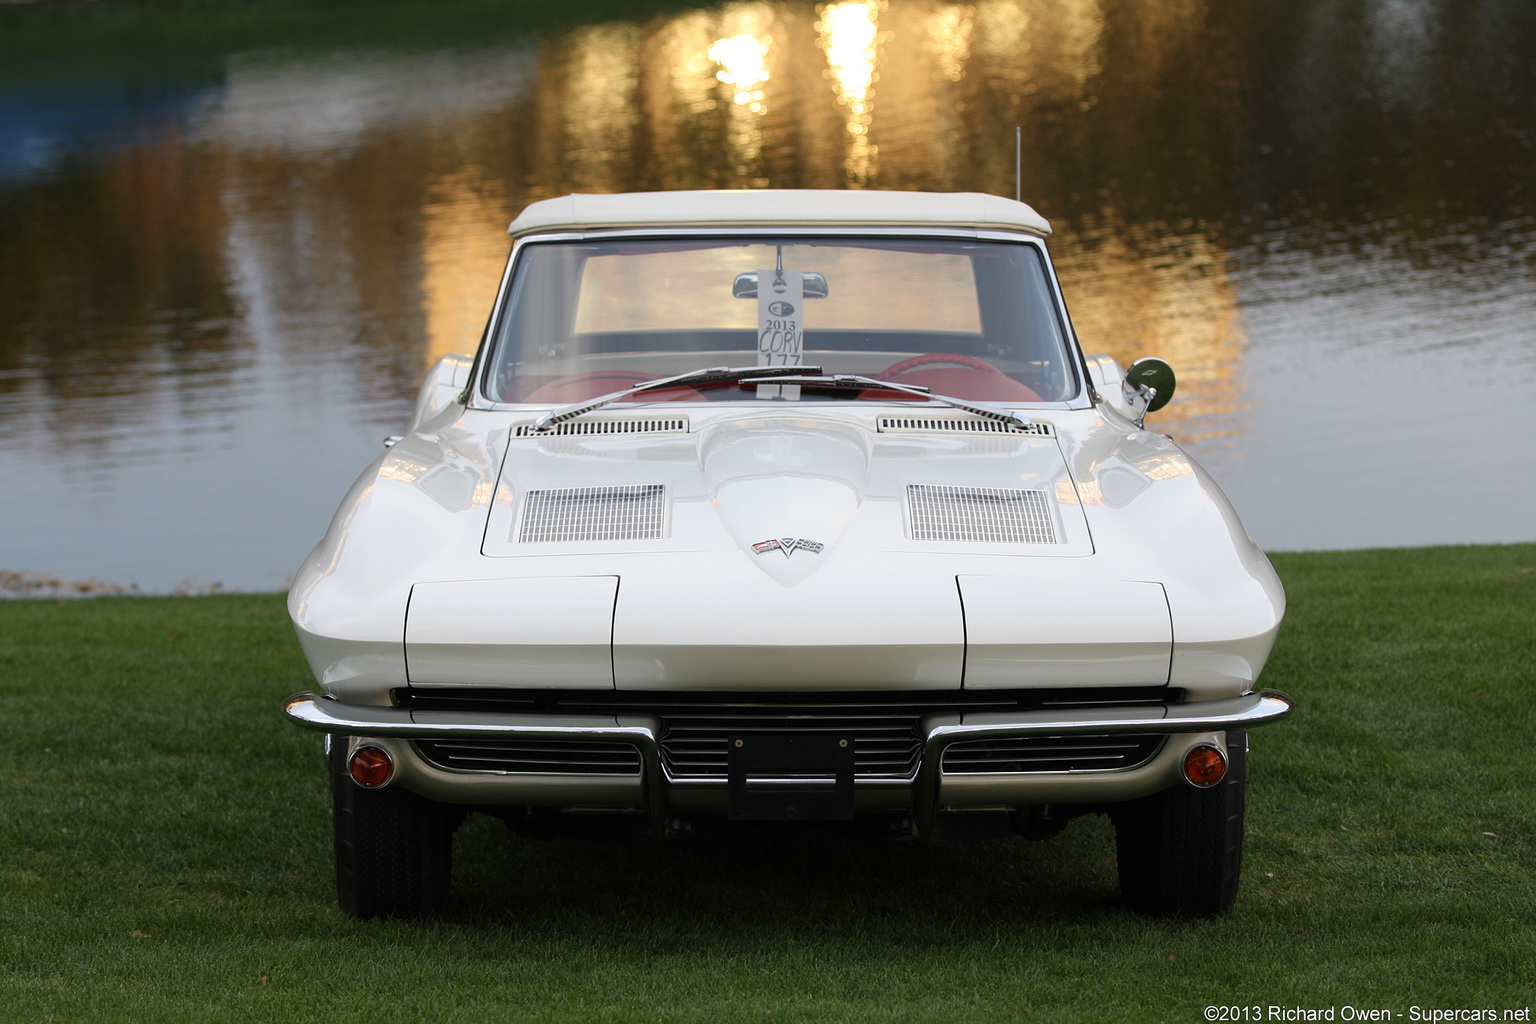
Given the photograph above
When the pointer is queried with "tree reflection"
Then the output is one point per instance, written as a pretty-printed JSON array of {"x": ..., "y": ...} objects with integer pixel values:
[{"x": 351, "y": 204}]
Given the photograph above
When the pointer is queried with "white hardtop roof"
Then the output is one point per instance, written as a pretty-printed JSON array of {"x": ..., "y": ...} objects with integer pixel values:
[{"x": 778, "y": 208}]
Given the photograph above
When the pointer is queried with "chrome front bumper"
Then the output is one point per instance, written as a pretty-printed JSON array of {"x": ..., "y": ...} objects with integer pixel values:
[{"x": 652, "y": 790}]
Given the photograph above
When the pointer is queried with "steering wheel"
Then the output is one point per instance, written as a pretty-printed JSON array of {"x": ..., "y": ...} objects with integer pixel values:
[{"x": 935, "y": 358}]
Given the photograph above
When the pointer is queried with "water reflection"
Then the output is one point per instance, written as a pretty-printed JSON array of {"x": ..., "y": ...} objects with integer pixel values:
[
  {"x": 594, "y": 89},
  {"x": 949, "y": 30},
  {"x": 463, "y": 251},
  {"x": 848, "y": 33},
  {"x": 742, "y": 68},
  {"x": 742, "y": 56},
  {"x": 1152, "y": 289},
  {"x": 227, "y": 285},
  {"x": 323, "y": 108}
]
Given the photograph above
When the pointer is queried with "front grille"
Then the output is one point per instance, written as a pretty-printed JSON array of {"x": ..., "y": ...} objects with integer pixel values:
[
  {"x": 1034, "y": 754},
  {"x": 987, "y": 514},
  {"x": 629, "y": 512},
  {"x": 697, "y": 727},
  {"x": 695, "y": 739},
  {"x": 533, "y": 757}
]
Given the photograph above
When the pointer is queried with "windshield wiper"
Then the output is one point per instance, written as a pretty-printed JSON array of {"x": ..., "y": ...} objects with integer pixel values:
[
  {"x": 853, "y": 380},
  {"x": 709, "y": 375}
]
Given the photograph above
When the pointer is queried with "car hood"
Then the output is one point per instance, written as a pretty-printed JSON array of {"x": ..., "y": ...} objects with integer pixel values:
[
  {"x": 939, "y": 483},
  {"x": 785, "y": 552},
  {"x": 727, "y": 548}
]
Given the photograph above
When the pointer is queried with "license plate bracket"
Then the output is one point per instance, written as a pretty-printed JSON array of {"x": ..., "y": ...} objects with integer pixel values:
[{"x": 790, "y": 777}]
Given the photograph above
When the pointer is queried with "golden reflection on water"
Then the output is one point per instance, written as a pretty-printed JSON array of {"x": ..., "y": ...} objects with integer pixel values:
[
  {"x": 742, "y": 58},
  {"x": 685, "y": 50},
  {"x": 849, "y": 32},
  {"x": 1142, "y": 290},
  {"x": 395, "y": 234},
  {"x": 742, "y": 67},
  {"x": 596, "y": 99},
  {"x": 949, "y": 30},
  {"x": 733, "y": 80},
  {"x": 678, "y": 95},
  {"x": 287, "y": 236},
  {"x": 464, "y": 248},
  {"x": 1003, "y": 44}
]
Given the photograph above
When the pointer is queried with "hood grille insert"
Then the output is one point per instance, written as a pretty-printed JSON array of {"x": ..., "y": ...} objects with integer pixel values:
[
  {"x": 591, "y": 428},
  {"x": 996, "y": 515},
  {"x": 955, "y": 425},
  {"x": 629, "y": 512}
]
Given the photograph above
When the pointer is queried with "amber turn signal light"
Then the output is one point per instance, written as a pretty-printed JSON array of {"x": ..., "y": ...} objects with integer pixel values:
[
  {"x": 371, "y": 767},
  {"x": 1204, "y": 766}
]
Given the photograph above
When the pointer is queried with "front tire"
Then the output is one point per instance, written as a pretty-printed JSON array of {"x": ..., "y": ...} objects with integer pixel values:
[
  {"x": 1181, "y": 850},
  {"x": 394, "y": 849}
]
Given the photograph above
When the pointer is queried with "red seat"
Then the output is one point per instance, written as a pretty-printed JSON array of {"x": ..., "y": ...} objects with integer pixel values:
[{"x": 955, "y": 375}]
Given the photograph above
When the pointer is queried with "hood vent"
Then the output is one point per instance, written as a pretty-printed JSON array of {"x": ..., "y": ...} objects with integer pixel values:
[
  {"x": 631, "y": 512},
  {"x": 993, "y": 515},
  {"x": 956, "y": 425},
  {"x": 589, "y": 428}
]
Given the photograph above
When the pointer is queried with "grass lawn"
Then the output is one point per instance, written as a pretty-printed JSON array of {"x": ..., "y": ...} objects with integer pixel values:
[{"x": 164, "y": 849}]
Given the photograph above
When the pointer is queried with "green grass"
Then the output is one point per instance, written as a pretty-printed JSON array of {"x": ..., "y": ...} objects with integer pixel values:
[{"x": 164, "y": 849}]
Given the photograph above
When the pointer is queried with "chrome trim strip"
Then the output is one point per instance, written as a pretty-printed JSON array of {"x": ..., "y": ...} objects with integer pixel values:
[
  {"x": 325, "y": 715},
  {"x": 1081, "y": 399},
  {"x": 792, "y": 782},
  {"x": 1245, "y": 712},
  {"x": 681, "y": 782}
]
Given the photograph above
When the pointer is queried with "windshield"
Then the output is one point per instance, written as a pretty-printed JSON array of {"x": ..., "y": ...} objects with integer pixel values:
[{"x": 969, "y": 319}]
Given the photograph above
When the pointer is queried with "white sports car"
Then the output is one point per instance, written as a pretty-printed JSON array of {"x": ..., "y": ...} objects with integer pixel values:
[{"x": 786, "y": 506}]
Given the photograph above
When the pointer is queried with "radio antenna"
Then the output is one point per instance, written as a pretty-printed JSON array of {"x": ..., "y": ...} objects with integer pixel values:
[{"x": 1018, "y": 164}]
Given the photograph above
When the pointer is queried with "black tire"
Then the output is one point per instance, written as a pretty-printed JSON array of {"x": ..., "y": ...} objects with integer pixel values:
[
  {"x": 1181, "y": 850},
  {"x": 394, "y": 849}
]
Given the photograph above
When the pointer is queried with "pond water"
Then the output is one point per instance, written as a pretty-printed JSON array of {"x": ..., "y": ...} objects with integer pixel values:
[{"x": 220, "y": 283}]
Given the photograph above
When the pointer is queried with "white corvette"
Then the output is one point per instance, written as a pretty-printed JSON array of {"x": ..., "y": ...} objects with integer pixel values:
[{"x": 786, "y": 506}]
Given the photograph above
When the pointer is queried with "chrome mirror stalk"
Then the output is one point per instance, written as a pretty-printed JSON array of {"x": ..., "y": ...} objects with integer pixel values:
[{"x": 1148, "y": 386}]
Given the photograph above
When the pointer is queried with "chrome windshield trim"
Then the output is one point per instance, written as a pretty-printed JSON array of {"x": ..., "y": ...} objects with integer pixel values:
[{"x": 1081, "y": 399}]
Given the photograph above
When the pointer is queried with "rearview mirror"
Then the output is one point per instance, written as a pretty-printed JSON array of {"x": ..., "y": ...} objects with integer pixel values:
[{"x": 814, "y": 285}]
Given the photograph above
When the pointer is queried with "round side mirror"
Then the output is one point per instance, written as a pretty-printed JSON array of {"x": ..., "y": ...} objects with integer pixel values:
[{"x": 1155, "y": 375}]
